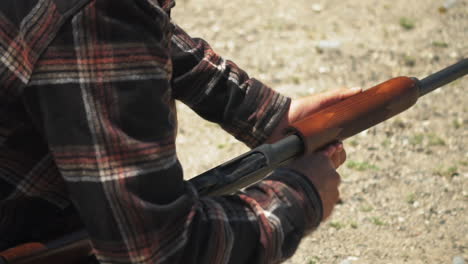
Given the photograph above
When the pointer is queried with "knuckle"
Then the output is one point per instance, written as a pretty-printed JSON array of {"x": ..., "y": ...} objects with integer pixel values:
[
  {"x": 333, "y": 197},
  {"x": 343, "y": 158},
  {"x": 337, "y": 177}
]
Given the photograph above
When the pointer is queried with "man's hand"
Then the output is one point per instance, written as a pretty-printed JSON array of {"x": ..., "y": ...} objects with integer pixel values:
[
  {"x": 320, "y": 167},
  {"x": 306, "y": 106}
]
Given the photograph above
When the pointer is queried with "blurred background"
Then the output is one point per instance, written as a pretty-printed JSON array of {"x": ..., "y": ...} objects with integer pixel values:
[{"x": 404, "y": 190}]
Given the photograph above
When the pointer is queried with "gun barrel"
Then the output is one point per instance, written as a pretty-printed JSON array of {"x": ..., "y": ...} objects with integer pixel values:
[
  {"x": 248, "y": 168},
  {"x": 443, "y": 77}
]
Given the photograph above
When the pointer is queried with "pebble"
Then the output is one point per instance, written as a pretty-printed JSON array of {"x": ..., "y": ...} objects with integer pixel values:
[
  {"x": 328, "y": 44},
  {"x": 349, "y": 260},
  {"x": 317, "y": 8},
  {"x": 323, "y": 69},
  {"x": 364, "y": 133},
  {"x": 458, "y": 260},
  {"x": 450, "y": 3},
  {"x": 215, "y": 28}
]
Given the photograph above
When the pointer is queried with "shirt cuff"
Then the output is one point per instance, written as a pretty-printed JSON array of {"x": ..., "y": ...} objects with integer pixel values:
[
  {"x": 259, "y": 114},
  {"x": 306, "y": 193}
]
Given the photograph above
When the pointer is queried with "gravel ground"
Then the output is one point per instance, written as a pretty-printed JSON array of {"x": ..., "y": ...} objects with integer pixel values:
[{"x": 405, "y": 181}]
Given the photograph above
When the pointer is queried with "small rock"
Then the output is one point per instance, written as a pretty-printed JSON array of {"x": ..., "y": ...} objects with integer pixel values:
[
  {"x": 458, "y": 260},
  {"x": 317, "y": 8},
  {"x": 349, "y": 260},
  {"x": 328, "y": 44},
  {"x": 450, "y": 3},
  {"x": 363, "y": 133},
  {"x": 323, "y": 69},
  {"x": 215, "y": 28}
]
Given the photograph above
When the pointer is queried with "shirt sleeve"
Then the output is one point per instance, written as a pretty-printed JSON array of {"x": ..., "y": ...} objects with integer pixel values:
[
  {"x": 104, "y": 102},
  {"x": 219, "y": 91}
]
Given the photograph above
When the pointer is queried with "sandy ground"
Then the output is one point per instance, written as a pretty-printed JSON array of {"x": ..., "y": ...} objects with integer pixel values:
[{"x": 404, "y": 188}]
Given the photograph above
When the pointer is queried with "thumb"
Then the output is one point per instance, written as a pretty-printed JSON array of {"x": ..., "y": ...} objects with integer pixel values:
[
  {"x": 332, "y": 97},
  {"x": 307, "y": 105}
]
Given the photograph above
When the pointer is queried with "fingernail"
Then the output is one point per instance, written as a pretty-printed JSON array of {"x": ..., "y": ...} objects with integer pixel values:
[{"x": 328, "y": 151}]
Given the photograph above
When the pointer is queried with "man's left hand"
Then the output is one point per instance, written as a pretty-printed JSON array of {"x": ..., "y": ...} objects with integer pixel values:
[{"x": 303, "y": 107}]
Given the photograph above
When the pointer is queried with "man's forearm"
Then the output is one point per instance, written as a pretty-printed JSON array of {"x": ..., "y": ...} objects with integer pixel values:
[{"x": 220, "y": 91}]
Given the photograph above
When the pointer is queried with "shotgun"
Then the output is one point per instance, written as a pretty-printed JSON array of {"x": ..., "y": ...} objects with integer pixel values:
[
  {"x": 337, "y": 122},
  {"x": 334, "y": 123}
]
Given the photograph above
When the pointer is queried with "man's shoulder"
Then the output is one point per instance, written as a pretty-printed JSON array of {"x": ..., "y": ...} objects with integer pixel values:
[
  {"x": 26, "y": 29},
  {"x": 17, "y": 11},
  {"x": 69, "y": 6},
  {"x": 14, "y": 12}
]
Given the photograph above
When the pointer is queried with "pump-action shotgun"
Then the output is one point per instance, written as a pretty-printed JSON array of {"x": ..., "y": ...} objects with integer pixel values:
[{"x": 337, "y": 122}]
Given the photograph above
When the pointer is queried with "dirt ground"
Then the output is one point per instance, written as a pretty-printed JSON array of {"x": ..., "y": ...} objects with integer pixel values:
[{"x": 405, "y": 183}]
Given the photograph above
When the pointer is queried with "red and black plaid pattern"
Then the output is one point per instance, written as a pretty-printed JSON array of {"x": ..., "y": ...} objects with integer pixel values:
[{"x": 88, "y": 122}]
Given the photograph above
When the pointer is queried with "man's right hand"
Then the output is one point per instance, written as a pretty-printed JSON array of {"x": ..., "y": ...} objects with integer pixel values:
[{"x": 320, "y": 167}]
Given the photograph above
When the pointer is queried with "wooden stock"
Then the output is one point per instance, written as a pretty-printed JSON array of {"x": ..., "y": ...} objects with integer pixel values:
[
  {"x": 76, "y": 252},
  {"x": 357, "y": 113},
  {"x": 12, "y": 254}
]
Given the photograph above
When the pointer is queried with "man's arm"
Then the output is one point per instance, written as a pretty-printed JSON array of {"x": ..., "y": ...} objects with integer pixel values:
[
  {"x": 219, "y": 91},
  {"x": 105, "y": 106}
]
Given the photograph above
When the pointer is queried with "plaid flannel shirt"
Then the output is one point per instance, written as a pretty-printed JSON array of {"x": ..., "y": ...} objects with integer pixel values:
[{"x": 88, "y": 123}]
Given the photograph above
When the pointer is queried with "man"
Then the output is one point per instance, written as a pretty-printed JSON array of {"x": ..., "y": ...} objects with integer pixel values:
[{"x": 87, "y": 117}]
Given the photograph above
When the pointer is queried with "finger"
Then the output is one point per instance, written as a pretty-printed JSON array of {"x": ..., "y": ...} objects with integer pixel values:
[
  {"x": 341, "y": 158},
  {"x": 339, "y": 146},
  {"x": 336, "y": 178},
  {"x": 338, "y": 158},
  {"x": 333, "y": 147},
  {"x": 330, "y": 150},
  {"x": 332, "y": 199},
  {"x": 344, "y": 93},
  {"x": 336, "y": 153},
  {"x": 332, "y": 97},
  {"x": 341, "y": 152}
]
